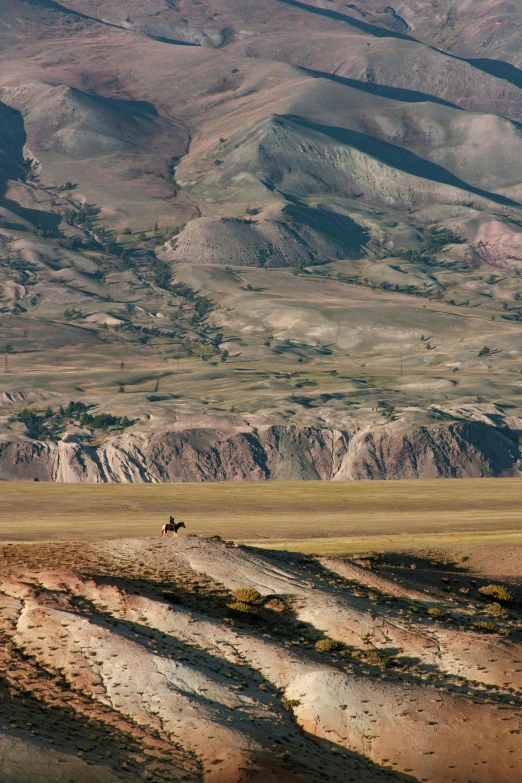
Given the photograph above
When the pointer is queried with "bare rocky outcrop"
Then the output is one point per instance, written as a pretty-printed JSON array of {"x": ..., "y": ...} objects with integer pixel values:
[
  {"x": 280, "y": 453},
  {"x": 464, "y": 449}
]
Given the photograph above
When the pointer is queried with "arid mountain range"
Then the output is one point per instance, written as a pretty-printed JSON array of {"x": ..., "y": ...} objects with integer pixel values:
[{"x": 258, "y": 241}]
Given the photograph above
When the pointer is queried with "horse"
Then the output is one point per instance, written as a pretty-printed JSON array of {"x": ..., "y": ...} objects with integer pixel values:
[{"x": 171, "y": 526}]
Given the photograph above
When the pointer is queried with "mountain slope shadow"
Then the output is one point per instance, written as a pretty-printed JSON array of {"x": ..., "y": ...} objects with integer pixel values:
[
  {"x": 14, "y": 166},
  {"x": 499, "y": 69},
  {"x": 365, "y": 27},
  {"x": 269, "y": 624},
  {"x": 12, "y": 142},
  {"x": 382, "y": 90},
  {"x": 496, "y": 68},
  {"x": 399, "y": 158},
  {"x": 340, "y": 229},
  {"x": 51, "y": 5}
]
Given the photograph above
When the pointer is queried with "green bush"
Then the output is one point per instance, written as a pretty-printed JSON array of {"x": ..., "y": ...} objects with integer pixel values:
[
  {"x": 433, "y": 241},
  {"x": 242, "y": 609},
  {"x": 484, "y": 626},
  {"x": 102, "y": 421},
  {"x": 498, "y": 593},
  {"x": 375, "y": 658},
  {"x": 435, "y": 612},
  {"x": 248, "y": 595},
  {"x": 328, "y": 645},
  {"x": 35, "y": 424},
  {"x": 496, "y": 610}
]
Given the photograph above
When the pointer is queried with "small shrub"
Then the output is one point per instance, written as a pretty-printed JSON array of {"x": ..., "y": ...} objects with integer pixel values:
[
  {"x": 375, "y": 658},
  {"x": 498, "y": 592},
  {"x": 435, "y": 612},
  {"x": 71, "y": 314},
  {"x": 328, "y": 645},
  {"x": 276, "y": 605},
  {"x": 248, "y": 595},
  {"x": 484, "y": 626},
  {"x": 242, "y": 609},
  {"x": 289, "y": 704},
  {"x": 496, "y": 610}
]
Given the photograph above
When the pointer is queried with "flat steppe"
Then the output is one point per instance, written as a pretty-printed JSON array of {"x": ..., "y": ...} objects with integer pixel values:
[{"x": 322, "y": 517}]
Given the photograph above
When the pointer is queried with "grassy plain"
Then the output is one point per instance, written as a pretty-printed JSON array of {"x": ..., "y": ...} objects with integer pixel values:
[{"x": 316, "y": 517}]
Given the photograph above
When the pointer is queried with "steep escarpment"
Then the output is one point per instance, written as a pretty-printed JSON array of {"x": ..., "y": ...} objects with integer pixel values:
[{"x": 280, "y": 453}]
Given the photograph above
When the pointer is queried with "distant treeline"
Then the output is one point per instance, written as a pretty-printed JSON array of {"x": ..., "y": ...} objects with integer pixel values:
[{"x": 49, "y": 424}]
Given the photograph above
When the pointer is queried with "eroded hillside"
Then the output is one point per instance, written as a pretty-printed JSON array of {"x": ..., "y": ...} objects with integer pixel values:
[{"x": 194, "y": 659}]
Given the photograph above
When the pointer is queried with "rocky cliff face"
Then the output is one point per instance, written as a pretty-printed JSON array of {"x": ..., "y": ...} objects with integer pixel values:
[{"x": 278, "y": 453}]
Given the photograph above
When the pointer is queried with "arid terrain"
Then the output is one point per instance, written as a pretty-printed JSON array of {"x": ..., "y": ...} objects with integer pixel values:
[
  {"x": 270, "y": 241},
  {"x": 251, "y": 255},
  {"x": 197, "y": 659},
  {"x": 301, "y": 632}
]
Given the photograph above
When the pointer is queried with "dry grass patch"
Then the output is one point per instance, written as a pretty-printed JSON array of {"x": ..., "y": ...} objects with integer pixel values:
[
  {"x": 242, "y": 609},
  {"x": 248, "y": 595},
  {"x": 498, "y": 593},
  {"x": 484, "y": 626},
  {"x": 328, "y": 645}
]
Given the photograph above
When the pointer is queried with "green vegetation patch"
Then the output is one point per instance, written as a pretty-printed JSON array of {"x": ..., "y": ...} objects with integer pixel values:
[
  {"x": 433, "y": 241},
  {"x": 484, "y": 626},
  {"x": 328, "y": 645},
  {"x": 51, "y": 424},
  {"x": 248, "y": 595},
  {"x": 242, "y": 609},
  {"x": 498, "y": 593}
]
